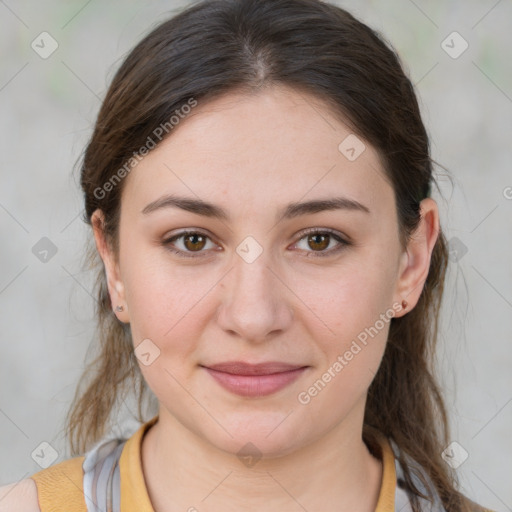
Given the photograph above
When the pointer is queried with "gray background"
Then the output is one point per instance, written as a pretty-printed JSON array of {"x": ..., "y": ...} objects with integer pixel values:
[{"x": 47, "y": 108}]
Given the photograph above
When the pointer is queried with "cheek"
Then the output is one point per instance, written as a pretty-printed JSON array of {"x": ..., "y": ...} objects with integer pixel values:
[
  {"x": 346, "y": 299},
  {"x": 168, "y": 306},
  {"x": 169, "y": 309},
  {"x": 163, "y": 296},
  {"x": 349, "y": 323},
  {"x": 350, "y": 334}
]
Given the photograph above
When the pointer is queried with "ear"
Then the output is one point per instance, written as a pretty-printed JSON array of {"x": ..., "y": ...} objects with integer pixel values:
[
  {"x": 415, "y": 260},
  {"x": 115, "y": 284}
]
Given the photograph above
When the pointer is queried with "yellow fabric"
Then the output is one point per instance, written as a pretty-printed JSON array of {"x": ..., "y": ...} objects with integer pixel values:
[
  {"x": 386, "y": 501},
  {"x": 60, "y": 487},
  {"x": 134, "y": 494}
]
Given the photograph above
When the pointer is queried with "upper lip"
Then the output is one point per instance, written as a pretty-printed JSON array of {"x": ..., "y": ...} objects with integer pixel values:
[{"x": 243, "y": 368}]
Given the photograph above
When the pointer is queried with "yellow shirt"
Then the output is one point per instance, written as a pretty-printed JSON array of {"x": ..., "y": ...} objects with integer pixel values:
[{"x": 60, "y": 487}]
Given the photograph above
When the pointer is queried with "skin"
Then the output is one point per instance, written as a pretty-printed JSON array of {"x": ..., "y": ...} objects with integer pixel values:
[{"x": 259, "y": 153}]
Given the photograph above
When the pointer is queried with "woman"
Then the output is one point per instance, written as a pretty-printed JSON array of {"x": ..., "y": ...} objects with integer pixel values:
[{"x": 271, "y": 267}]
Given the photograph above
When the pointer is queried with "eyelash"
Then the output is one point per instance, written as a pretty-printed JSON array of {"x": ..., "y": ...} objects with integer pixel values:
[{"x": 316, "y": 254}]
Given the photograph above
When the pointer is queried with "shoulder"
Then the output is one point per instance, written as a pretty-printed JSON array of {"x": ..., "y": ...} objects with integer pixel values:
[
  {"x": 19, "y": 497},
  {"x": 57, "y": 486}
]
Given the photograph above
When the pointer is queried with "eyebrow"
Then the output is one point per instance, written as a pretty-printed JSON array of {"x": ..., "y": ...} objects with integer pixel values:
[{"x": 292, "y": 210}]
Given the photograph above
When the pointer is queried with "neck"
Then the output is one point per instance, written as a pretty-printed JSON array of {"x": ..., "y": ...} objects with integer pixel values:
[{"x": 186, "y": 472}]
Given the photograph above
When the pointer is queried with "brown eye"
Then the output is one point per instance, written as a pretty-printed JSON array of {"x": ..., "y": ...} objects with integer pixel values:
[
  {"x": 194, "y": 241},
  {"x": 188, "y": 242},
  {"x": 319, "y": 242}
]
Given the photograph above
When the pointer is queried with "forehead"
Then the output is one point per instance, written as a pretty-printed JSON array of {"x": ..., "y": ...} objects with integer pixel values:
[{"x": 258, "y": 149}]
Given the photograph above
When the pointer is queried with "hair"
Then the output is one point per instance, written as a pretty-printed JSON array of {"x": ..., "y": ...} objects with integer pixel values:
[{"x": 213, "y": 48}]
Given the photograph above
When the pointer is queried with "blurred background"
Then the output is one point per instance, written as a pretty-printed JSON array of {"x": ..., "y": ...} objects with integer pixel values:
[{"x": 56, "y": 62}]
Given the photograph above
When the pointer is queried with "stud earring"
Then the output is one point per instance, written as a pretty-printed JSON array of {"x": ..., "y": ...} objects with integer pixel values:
[
  {"x": 119, "y": 308},
  {"x": 404, "y": 304}
]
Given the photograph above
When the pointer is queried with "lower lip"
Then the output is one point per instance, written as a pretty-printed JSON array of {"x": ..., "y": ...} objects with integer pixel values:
[{"x": 255, "y": 385}]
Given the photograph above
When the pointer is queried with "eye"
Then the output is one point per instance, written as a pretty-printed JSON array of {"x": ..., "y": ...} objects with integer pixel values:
[
  {"x": 193, "y": 241},
  {"x": 320, "y": 240}
]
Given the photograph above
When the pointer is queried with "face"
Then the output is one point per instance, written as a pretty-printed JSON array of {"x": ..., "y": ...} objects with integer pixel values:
[{"x": 313, "y": 287}]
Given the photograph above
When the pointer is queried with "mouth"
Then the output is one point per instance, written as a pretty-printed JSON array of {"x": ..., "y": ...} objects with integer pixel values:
[{"x": 254, "y": 380}]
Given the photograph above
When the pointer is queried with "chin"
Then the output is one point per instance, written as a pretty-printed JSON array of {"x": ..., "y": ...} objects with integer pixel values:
[{"x": 259, "y": 434}]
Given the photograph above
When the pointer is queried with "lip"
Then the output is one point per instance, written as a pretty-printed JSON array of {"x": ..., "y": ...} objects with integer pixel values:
[
  {"x": 254, "y": 380},
  {"x": 243, "y": 368}
]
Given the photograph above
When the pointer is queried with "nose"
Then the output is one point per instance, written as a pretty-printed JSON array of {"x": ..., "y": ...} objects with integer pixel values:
[{"x": 255, "y": 304}]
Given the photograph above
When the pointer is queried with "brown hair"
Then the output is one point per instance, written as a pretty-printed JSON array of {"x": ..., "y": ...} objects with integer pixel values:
[{"x": 214, "y": 47}]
